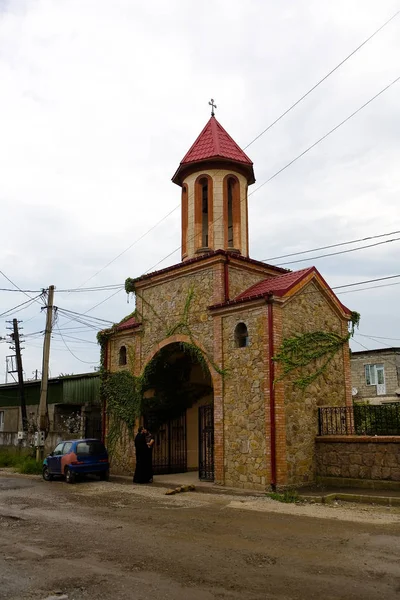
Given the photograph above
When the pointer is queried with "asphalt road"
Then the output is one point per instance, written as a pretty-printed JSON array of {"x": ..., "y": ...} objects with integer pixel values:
[{"x": 102, "y": 541}]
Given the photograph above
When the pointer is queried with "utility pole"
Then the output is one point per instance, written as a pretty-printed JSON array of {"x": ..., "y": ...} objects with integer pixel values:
[
  {"x": 43, "y": 417},
  {"x": 15, "y": 338}
]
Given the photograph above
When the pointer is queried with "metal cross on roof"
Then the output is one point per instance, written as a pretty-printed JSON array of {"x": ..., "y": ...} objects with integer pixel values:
[{"x": 211, "y": 103}]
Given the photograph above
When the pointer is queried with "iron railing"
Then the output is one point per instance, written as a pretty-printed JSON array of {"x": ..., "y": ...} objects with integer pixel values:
[{"x": 361, "y": 419}]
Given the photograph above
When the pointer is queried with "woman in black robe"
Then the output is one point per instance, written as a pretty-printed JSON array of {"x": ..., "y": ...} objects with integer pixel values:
[{"x": 144, "y": 466}]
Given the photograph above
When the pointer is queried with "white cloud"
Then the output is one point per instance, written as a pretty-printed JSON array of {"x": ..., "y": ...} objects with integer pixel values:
[{"x": 99, "y": 102}]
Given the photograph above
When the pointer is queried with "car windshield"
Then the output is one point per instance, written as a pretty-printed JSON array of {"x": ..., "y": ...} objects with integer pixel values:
[{"x": 90, "y": 448}]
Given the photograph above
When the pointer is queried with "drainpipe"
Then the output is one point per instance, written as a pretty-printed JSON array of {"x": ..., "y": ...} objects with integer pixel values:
[
  {"x": 226, "y": 279},
  {"x": 272, "y": 391},
  {"x": 103, "y": 421}
]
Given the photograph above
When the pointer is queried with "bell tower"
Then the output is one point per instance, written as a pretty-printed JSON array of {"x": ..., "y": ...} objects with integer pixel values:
[{"x": 214, "y": 176}]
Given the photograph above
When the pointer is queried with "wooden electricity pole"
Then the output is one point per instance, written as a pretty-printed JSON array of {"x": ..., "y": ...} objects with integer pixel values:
[
  {"x": 43, "y": 417},
  {"x": 20, "y": 375}
]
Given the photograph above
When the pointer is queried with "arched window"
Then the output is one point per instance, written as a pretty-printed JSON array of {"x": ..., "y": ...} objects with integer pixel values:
[
  {"x": 230, "y": 184},
  {"x": 203, "y": 212},
  {"x": 122, "y": 356},
  {"x": 241, "y": 336},
  {"x": 232, "y": 212},
  {"x": 184, "y": 219}
]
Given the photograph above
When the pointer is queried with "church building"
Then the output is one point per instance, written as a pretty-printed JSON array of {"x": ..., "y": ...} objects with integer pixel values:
[{"x": 214, "y": 325}]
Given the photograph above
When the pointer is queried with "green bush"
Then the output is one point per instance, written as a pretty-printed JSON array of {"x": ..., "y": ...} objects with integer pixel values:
[
  {"x": 287, "y": 496},
  {"x": 22, "y": 463},
  {"x": 7, "y": 458},
  {"x": 29, "y": 466}
]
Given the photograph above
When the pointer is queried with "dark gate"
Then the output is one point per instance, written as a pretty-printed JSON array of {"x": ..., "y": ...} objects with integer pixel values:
[
  {"x": 169, "y": 450},
  {"x": 206, "y": 442}
]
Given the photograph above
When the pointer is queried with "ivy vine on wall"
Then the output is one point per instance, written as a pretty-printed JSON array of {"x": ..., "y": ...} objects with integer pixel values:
[
  {"x": 124, "y": 392},
  {"x": 304, "y": 350}
]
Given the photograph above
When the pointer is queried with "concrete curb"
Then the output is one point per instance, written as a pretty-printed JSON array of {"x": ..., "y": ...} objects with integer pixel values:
[{"x": 358, "y": 498}]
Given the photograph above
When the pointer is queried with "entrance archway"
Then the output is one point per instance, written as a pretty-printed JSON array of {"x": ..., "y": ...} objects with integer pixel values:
[{"x": 178, "y": 410}]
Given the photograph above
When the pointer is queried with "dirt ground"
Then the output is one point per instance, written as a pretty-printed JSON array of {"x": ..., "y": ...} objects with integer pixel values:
[{"x": 97, "y": 540}]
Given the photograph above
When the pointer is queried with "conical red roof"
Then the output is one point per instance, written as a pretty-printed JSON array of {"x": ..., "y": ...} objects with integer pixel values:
[{"x": 214, "y": 144}]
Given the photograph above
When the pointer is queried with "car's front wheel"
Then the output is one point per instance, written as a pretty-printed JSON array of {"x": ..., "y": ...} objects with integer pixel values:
[
  {"x": 47, "y": 476},
  {"x": 69, "y": 475}
]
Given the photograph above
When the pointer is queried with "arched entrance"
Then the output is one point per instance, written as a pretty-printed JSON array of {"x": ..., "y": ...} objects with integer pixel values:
[{"x": 178, "y": 410}]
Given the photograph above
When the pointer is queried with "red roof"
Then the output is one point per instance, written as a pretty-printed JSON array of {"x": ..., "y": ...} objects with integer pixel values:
[
  {"x": 214, "y": 143},
  {"x": 278, "y": 286},
  {"x": 128, "y": 324}
]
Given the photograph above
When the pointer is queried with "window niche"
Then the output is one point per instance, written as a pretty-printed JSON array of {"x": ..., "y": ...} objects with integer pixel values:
[
  {"x": 241, "y": 336},
  {"x": 122, "y": 356}
]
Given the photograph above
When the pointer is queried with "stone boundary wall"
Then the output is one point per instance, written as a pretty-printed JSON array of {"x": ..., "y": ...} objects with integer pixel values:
[{"x": 358, "y": 457}]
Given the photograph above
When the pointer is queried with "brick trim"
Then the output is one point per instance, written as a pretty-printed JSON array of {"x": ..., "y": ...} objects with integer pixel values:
[
  {"x": 236, "y": 218},
  {"x": 198, "y": 212},
  {"x": 185, "y": 219}
]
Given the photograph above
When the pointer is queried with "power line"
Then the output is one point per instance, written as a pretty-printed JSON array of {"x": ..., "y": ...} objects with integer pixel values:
[
  {"x": 74, "y": 355},
  {"x": 380, "y": 337},
  {"x": 293, "y": 262},
  {"x": 371, "y": 237},
  {"x": 322, "y": 80},
  {"x": 372, "y": 287},
  {"x": 18, "y": 288},
  {"x": 291, "y": 162},
  {"x": 13, "y": 309},
  {"x": 327, "y": 134},
  {"x": 366, "y": 281},
  {"x": 256, "y": 138},
  {"x": 64, "y": 310}
]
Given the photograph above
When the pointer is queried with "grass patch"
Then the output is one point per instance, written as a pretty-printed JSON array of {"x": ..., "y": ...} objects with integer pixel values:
[
  {"x": 288, "y": 496},
  {"x": 22, "y": 463},
  {"x": 30, "y": 466}
]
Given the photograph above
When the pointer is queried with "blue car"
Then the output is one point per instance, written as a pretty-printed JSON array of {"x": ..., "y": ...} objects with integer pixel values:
[{"x": 77, "y": 457}]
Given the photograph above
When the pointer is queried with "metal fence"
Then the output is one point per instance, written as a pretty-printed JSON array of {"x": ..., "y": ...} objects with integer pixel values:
[{"x": 360, "y": 419}]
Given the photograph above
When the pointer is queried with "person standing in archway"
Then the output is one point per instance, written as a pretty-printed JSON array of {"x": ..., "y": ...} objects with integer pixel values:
[{"x": 144, "y": 466}]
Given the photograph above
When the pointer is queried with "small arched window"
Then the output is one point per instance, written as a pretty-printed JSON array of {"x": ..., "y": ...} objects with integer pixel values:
[
  {"x": 122, "y": 356},
  {"x": 241, "y": 336}
]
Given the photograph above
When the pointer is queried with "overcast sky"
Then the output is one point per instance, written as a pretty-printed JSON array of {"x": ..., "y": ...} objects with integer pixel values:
[{"x": 100, "y": 100}]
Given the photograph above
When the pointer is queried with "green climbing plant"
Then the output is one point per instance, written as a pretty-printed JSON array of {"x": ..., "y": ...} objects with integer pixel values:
[
  {"x": 317, "y": 348},
  {"x": 124, "y": 393}
]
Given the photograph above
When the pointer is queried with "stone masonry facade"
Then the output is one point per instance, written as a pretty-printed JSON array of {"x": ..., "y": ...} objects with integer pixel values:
[
  {"x": 359, "y": 457},
  {"x": 243, "y": 396},
  {"x": 306, "y": 312}
]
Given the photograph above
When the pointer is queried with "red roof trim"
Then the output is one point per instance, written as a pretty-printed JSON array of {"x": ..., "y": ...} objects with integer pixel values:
[
  {"x": 197, "y": 259},
  {"x": 278, "y": 286}
]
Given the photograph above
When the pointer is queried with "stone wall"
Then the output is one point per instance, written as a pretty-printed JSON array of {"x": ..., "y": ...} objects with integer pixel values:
[
  {"x": 241, "y": 279},
  {"x": 162, "y": 305},
  {"x": 245, "y": 455},
  {"x": 359, "y": 457},
  {"x": 368, "y": 393},
  {"x": 306, "y": 312}
]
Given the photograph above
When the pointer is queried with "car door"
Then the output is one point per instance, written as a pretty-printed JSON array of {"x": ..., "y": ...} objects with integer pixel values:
[{"x": 54, "y": 460}]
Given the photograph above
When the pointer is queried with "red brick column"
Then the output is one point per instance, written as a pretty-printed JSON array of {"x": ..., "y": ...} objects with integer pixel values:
[
  {"x": 346, "y": 367},
  {"x": 267, "y": 396},
  {"x": 219, "y": 471},
  {"x": 280, "y": 411}
]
